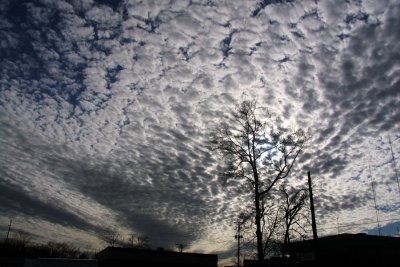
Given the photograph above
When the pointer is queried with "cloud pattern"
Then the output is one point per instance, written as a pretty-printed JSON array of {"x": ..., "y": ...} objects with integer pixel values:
[{"x": 106, "y": 109}]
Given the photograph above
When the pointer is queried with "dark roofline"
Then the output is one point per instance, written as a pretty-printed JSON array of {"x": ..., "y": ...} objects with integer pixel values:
[
  {"x": 64, "y": 259},
  {"x": 338, "y": 236},
  {"x": 154, "y": 251},
  {"x": 359, "y": 235}
]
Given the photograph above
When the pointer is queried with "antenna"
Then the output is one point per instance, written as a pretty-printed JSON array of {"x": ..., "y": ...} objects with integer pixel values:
[
  {"x": 8, "y": 232},
  {"x": 374, "y": 195},
  {"x": 337, "y": 224},
  {"x": 394, "y": 164},
  {"x": 238, "y": 237}
]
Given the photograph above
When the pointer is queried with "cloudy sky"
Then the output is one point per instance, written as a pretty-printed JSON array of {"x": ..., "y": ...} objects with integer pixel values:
[{"x": 106, "y": 109}]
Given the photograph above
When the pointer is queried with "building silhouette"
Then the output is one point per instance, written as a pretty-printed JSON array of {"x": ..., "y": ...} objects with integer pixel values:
[
  {"x": 346, "y": 250},
  {"x": 52, "y": 262},
  {"x": 343, "y": 250},
  {"x": 121, "y": 257},
  {"x": 115, "y": 257}
]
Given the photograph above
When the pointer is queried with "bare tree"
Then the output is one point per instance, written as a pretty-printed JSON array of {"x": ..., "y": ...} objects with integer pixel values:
[
  {"x": 111, "y": 237},
  {"x": 295, "y": 200},
  {"x": 22, "y": 238},
  {"x": 138, "y": 241},
  {"x": 285, "y": 217},
  {"x": 259, "y": 152},
  {"x": 62, "y": 250},
  {"x": 16, "y": 245},
  {"x": 271, "y": 222}
]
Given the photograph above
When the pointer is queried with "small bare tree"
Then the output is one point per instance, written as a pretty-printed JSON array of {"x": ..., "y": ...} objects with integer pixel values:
[
  {"x": 138, "y": 241},
  {"x": 284, "y": 217},
  {"x": 22, "y": 238},
  {"x": 18, "y": 243},
  {"x": 295, "y": 200},
  {"x": 62, "y": 250},
  {"x": 271, "y": 223},
  {"x": 111, "y": 237}
]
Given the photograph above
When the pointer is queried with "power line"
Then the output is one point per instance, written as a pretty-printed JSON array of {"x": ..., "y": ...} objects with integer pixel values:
[{"x": 395, "y": 165}]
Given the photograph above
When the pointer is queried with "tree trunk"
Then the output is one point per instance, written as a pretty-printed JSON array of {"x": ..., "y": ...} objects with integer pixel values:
[{"x": 260, "y": 251}]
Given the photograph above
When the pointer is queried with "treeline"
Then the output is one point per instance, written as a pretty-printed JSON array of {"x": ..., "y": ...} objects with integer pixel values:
[{"x": 20, "y": 248}]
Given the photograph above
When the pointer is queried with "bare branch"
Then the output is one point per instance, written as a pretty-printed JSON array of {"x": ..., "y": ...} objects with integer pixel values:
[{"x": 261, "y": 154}]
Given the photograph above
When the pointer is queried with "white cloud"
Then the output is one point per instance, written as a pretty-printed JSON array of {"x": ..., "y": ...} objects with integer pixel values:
[{"x": 124, "y": 99}]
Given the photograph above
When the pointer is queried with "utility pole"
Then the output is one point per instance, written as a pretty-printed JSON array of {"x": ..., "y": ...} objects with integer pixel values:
[
  {"x": 8, "y": 232},
  {"x": 238, "y": 237},
  {"x": 313, "y": 222}
]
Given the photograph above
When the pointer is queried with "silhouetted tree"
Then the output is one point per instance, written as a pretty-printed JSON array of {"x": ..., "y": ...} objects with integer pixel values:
[
  {"x": 17, "y": 244},
  {"x": 62, "y": 250},
  {"x": 138, "y": 241},
  {"x": 285, "y": 216},
  {"x": 17, "y": 248},
  {"x": 111, "y": 237},
  {"x": 295, "y": 200},
  {"x": 21, "y": 238},
  {"x": 271, "y": 222},
  {"x": 257, "y": 151}
]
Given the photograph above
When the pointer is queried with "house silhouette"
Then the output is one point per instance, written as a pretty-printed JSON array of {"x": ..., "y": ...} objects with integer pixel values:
[
  {"x": 346, "y": 250},
  {"x": 121, "y": 257},
  {"x": 116, "y": 257},
  {"x": 343, "y": 250}
]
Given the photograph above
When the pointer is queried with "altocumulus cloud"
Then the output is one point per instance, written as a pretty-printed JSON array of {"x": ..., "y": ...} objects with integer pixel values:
[{"x": 106, "y": 107}]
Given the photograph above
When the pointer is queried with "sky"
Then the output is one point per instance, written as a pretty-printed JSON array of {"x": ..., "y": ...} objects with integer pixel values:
[{"x": 106, "y": 111}]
